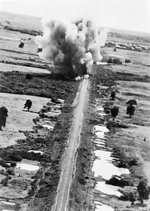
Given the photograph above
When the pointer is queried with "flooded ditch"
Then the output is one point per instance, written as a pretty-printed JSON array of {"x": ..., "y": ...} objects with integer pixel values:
[
  {"x": 103, "y": 166},
  {"x": 31, "y": 168},
  {"x": 120, "y": 156},
  {"x": 102, "y": 207},
  {"x": 32, "y": 143},
  {"x": 21, "y": 162}
]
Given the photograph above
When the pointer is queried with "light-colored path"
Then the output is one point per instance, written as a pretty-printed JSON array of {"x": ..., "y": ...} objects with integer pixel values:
[{"x": 69, "y": 158}]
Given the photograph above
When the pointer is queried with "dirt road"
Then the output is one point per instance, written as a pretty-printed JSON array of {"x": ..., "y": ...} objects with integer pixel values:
[{"x": 69, "y": 158}]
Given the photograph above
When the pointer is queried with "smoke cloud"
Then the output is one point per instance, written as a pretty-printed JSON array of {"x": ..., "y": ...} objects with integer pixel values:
[{"x": 71, "y": 44}]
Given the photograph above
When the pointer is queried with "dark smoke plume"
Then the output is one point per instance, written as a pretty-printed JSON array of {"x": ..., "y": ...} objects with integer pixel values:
[{"x": 70, "y": 44}]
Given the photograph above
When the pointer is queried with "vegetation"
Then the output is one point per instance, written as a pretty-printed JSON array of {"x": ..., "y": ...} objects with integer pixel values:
[
  {"x": 143, "y": 190},
  {"x": 3, "y": 116}
]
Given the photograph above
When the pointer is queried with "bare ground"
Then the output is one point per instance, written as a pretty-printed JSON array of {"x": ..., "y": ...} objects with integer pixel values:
[{"x": 69, "y": 158}]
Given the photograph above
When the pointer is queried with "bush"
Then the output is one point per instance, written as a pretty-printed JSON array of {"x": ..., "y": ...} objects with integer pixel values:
[
  {"x": 4, "y": 164},
  {"x": 4, "y": 181},
  {"x": 29, "y": 76},
  {"x": 15, "y": 156},
  {"x": 143, "y": 190},
  {"x": 129, "y": 194},
  {"x": 3, "y": 116},
  {"x": 119, "y": 181}
]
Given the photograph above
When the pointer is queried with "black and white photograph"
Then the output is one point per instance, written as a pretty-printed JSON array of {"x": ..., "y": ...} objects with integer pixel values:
[{"x": 74, "y": 105}]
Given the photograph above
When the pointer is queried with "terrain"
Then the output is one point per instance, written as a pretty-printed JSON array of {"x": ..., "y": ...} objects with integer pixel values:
[{"x": 49, "y": 154}]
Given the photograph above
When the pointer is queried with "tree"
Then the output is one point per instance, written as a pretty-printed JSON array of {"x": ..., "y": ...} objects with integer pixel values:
[
  {"x": 28, "y": 104},
  {"x": 3, "y": 116},
  {"x": 143, "y": 190},
  {"x": 130, "y": 110},
  {"x": 114, "y": 112},
  {"x": 112, "y": 95}
]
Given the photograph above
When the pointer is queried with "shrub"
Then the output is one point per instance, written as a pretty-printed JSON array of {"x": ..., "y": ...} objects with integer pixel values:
[{"x": 143, "y": 190}]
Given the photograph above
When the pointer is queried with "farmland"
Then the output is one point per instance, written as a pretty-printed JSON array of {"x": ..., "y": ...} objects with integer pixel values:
[{"x": 33, "y": 144}]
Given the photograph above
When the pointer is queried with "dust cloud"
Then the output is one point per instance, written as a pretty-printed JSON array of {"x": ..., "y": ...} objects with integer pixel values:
[{"x": 71, "y": 43}]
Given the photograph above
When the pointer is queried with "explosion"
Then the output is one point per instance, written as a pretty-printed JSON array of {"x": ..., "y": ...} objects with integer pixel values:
[{"x": 71, "y": 44}]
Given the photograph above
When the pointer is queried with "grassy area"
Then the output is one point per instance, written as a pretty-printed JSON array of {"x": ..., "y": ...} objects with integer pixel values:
[
  {"x": 126, "y": 142},
  {"x": 44, "y": 184},
  {"x": 43, "y": 85}
]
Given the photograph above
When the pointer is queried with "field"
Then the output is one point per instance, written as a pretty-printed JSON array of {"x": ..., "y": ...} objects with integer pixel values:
[
  {"x": 131, "y": 139},
  {"x": 20, "y": 119},
  {"x": 28, "y": 134},
  {"x": 33, "y": 143}
]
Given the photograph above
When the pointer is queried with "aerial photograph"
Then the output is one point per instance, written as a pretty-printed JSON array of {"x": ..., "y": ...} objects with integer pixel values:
[{"x": 74, "y": 105}]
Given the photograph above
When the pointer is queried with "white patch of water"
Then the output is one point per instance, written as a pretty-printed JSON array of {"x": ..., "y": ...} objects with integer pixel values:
[
  {"x": 103, "y": 166},
  {"x": 99, "y": 108},
  {"x": 7, "y": 210},
  {"x": 108, "y": 189},
  {"x": 8, "y": 203},
  {"x": 86, "y": 76},
  {"x": 99, "y": 141},
  {"x": 53, "y": 113},
  {"x": 27, "y": 167},
  {"x": 106, "y": 169},
  {"x": 100, "y": 128},
  {"x": 103, "y": 155},
  {"x": 102, "y": 207},
  {"x": 36, "y": 151},
  {"x": 100, "y": 144},
  {"x": 101, "y": 63},
  {"x": 103, "y": 87},
  {"x": 100, "y": 111},
  {"x": 57, "y": 106},
  {"x": 48, "y": 126},
  {"x": 101, "y": 114},
  {"x": 100, "y": 134}
]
